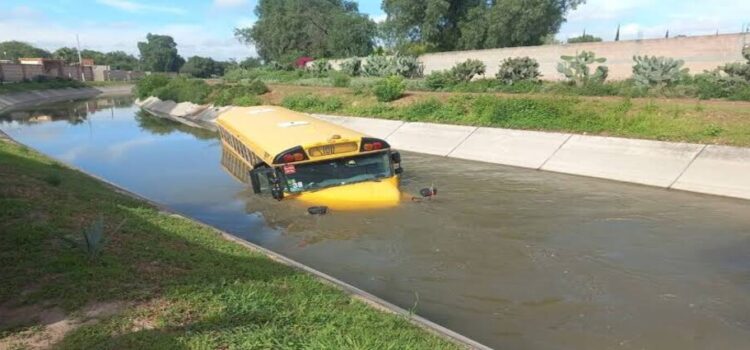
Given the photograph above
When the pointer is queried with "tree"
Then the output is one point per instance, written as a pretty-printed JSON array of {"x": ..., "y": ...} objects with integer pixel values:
[
  {"x": 288, "y": 29},
  {"x": 201, "y": 67},
  {"x": 67, "y": 54},
  {"x": 444, "y": 25},
  {"x": 13, "y": 50},
  {"x": 159, "y": 54},
  {"x": 121, "y": 60},
  {"x": 250, "y": 63},
  {"x": 585, "y": 38}
]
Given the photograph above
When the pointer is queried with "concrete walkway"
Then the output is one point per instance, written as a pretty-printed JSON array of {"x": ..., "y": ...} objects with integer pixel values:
[{"x": 30, "y": 98}]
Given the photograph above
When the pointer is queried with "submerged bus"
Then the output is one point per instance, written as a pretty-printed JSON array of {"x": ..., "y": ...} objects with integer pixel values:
[{"x": 291, "y": 155}]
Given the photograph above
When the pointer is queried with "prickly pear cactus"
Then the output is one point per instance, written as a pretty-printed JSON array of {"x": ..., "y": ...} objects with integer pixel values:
[
  {"x": 657, "y": 71},
  {"x": 406, "y": 66},
  {"x": 319, "y": 67},
  {"x": 351, "y": 66},
  {"x": 576, "y": 68},
  {"x": 513, "y": 70},
  {"x": 376, "y": 66}
]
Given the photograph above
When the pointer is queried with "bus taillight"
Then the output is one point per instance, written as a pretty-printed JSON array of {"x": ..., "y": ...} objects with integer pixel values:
[
  {"x": 296, "y": 154},
  {"x": 370, "y": 144}
]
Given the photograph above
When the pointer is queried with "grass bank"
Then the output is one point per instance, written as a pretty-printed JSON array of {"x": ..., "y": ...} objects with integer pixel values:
[
  {"x": 678, "y": 120},
  {"x": 155, "y": 280}
]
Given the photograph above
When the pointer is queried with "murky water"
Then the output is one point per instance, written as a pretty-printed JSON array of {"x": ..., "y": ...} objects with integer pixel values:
[{"x": 514, "y": 258}]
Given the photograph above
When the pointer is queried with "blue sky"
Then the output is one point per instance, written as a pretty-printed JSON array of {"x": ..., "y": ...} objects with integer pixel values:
[{"x": 205, "y": 27}]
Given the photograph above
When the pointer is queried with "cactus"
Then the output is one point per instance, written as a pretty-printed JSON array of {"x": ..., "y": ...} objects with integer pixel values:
[
  {"x": 576, "y": 68},
  {"x": 351, "y": 66},
  {"x": 739, "y": 70},
  {"x": 376, "y": 66},
  {"x": 465, "y": 71},
  {"x": 406, "y": 66},
  {"x": 319, "y": 68},
  {"x": 513, "y": 70},
  {"x": 657, "y": 71}
]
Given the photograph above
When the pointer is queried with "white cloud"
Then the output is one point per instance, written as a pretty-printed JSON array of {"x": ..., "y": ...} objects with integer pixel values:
[
  {"x": 132, "y": 6},
  {"x": 229, "y": 3},
  {"x": 192, "y": 39}
]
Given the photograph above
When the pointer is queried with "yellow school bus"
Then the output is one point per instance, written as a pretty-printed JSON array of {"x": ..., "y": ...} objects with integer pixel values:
[{"x": 293, "y": 155}]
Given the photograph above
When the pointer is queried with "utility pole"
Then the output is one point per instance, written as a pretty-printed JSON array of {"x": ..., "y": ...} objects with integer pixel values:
[{"x": 80, "y": 60}]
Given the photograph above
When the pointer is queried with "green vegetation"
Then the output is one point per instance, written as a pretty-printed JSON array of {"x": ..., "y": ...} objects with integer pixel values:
[
  {"x": 159, "y": 281},
  {"x": 287, "y": 30},
  {"x": 576, "y": 68},
  {"x": 182, "y": 89},
  {"x": 13, "y": 50},
  {"x": 159, "y": 54},
  {"x": 687, "y": 121},
  {"x": 585, "y": 38},
  {"x": 447, "y": 25},
  {"x": 657, "y": 71},
  {"x": 40, "y": 83},
  {"x": 389, "y": 89},
  {"x": 518, "y": 69}
]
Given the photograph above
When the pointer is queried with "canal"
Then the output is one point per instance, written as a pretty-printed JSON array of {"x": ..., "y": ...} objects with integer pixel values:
[{"x": 514, "y": 258}]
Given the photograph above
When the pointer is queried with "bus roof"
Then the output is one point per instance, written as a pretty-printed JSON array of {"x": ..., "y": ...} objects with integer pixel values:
[{"x": 276, "y": 129}]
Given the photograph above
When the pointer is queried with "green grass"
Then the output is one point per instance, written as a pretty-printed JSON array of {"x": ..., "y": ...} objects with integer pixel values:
[
  {"x": 39, "y": 85},
  {"x": 647, "y": 119},
  {"x": 183, "y": 286}
]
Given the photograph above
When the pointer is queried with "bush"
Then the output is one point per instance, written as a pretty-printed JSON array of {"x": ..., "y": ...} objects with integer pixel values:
[
  {"x": 351, "y": 67},
  {"x": 237, "y": 95},
  {"x": 312, "y": 103},
  {"x": 514, "y": 70},
  {"x": 339, "y": 79},
  {"x": 235, "y": 75},
  {"x": 181, "y": 89},
  {"x": 657, "y": 71},
  {"x": 389, "y": 89},
  {"x": 440, "y": 80},
  {"x": 146, "y": 86},
  {"x": 246, "y": 101},
  {"x": 468, "y": 69},
  {"x": 255, "y": 87},
  {"x": 717, "y": 85}
]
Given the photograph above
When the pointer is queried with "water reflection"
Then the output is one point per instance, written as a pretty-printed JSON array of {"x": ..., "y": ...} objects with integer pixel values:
[
  {"x": 74, "y": 113},
  {"x": 162, "y": 126}
]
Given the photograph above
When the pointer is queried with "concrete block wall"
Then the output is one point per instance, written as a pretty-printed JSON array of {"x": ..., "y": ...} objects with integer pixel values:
[
  {"x": 710, "y": 169},
  {"x": 699, "y": 53}
]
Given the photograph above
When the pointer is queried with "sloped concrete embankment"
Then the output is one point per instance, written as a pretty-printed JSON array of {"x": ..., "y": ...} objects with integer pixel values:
[
  {"x": 188, "y": 113},
  {"x": 710, "y": 169},
  {"x": 22, "y": 99}
]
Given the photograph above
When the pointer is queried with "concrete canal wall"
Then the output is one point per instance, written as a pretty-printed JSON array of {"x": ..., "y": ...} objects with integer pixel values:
[
  {"x": 710, "y": 169},
  {"x": 31, "y": 98}
]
